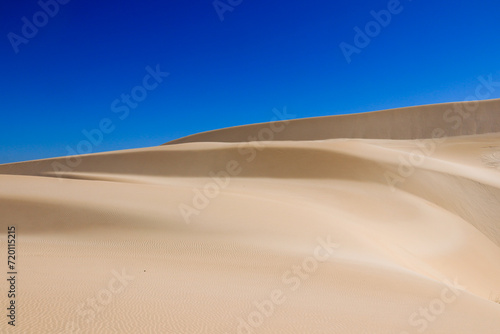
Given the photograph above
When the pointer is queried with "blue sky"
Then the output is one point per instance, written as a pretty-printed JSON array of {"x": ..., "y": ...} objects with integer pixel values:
[{"x": 62, "y": 79}]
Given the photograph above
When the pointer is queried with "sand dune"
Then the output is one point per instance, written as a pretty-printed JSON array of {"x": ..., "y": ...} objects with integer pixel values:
[
  {"x": 455, "y": 119},
  {"x": 384, "y": 222}
]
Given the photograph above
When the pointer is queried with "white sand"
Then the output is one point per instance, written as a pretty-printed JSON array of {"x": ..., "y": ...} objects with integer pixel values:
[{"x": 306, "y": 236}]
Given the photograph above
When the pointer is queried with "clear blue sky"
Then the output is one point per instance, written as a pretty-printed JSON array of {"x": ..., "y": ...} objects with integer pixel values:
[{"x": 263, "y": 55}]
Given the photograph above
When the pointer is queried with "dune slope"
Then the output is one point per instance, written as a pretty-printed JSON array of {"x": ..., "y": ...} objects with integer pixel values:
[{"x": 385, "y": 222}]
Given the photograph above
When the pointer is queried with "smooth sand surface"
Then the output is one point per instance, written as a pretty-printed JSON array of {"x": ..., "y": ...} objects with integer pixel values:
[{"x": 377, "y": 223}]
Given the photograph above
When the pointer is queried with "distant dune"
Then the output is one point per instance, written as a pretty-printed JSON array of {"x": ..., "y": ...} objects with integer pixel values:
[
  {"x": 457, "y": 119},
  {"x": 385, "y": 222}
]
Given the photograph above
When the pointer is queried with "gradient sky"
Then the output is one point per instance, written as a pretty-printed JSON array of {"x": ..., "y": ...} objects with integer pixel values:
[{"x": 263, "y": 55}]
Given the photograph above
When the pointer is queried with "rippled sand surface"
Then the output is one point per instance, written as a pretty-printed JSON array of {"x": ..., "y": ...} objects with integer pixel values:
[{"x": 377, "y": 223}]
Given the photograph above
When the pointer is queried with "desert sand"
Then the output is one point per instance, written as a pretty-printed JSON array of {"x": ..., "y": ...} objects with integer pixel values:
[{"x": 385, "y": 222}]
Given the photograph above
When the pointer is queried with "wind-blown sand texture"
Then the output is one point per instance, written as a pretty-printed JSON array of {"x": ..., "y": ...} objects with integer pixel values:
[{"x": 376, "y": 223}]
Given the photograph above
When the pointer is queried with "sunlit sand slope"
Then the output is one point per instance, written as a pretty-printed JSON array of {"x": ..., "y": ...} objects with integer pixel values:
[{"x": 312, "y": 232}]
